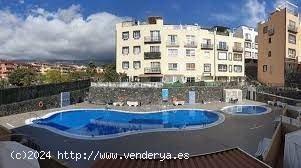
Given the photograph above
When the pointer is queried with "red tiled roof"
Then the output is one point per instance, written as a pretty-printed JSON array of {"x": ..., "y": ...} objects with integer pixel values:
[{"x": 231, "y": 158}]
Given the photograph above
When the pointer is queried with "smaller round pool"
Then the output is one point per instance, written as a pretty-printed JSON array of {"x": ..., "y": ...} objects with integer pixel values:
[{"x": 246, "y": 110}]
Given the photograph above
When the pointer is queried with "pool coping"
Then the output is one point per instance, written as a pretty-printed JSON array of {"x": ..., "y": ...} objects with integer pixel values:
[
  {"x": 268, "y": 110},
  {"x": 221, "y": 119}
]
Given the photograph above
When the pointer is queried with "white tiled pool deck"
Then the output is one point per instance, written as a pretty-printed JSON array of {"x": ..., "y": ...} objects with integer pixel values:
[{"x": 236, "y": 131}]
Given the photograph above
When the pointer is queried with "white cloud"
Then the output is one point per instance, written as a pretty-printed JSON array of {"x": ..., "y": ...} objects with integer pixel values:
[
  {"x": 223, "y": 18},
  {"x": 255, "y": 12},
  {"x": 64, "y": 34}
]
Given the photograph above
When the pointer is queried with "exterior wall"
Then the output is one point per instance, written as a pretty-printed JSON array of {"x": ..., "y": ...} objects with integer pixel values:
[
  {"x": 274, "y": 74},
  {"x": 180, "y": 59},
  {"x": 6, "y": 68},
  {"x": 241, "y": 32},
  {"x": 280, "y": 63}
]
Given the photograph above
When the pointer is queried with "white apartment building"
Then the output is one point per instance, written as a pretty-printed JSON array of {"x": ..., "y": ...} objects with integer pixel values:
[{"x": 152, "y": 51}]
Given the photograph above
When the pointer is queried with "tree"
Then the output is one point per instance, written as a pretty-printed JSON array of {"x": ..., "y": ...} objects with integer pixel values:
[
  {"x": 110, "y": 75},
  {"x": 78, "y": 75},
  {"x": 91, "y": 69},
  {"x": 3, "y": 83},
  {"x": 22, "y": 77},
  {"x": 55, "y": 76}
]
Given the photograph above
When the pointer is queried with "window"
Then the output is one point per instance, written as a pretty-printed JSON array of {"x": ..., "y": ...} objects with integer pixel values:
[
  {"x": 256, "y": 46},
  {"x": 125, "y": 50},
  {"x": 136, "y": 50},
  {"x": 248, "y": 54},
  {"x": 172, "y": 52},
  {"x": 222, "y": 45},
  {"x": 155, "y": 64},
  {"x": 222, "y": 67},
  {"x": 230, "y": 68},
  {"x": 155, "y": 35},
  {"x": 291, "y": 23},
  {"x": 291, "y": 53},
  {"x": 237, "y": 44},
  {"x": 136, "y": 34},
  {"x": 154, "y": 48},
  {"x": 207, "y": 41},
  {"x": 292, "y": 39},
  {"x": 265, "y": 29},
  {"x": 222, "y": 55},
  {"x": 136, "y": 64},
  {"x": 207, "y": 54},
  {"x": 270, "y": 40},
  {"x": 248, "y": 45},
  {"x": 172, "y": 39},
  {"x": 264, "y": 68},
  {"x": 230, "y": 56},
  {"x": 190, "y": 66},
  {"x": 207, "y": 67},
  {"x": 125, "y": 35},
  {"x": 238, "y": 68},
  {"x": 256, "y": 55},
  {"x": 190, "y": 79},
  {"x": 269, "y": 54},
  {"x": 172, "y": 66},
  {"x": 190, "y": 52},
  {"x": 125, "y": 65},
  {"x": 248, "y": 36},
  {"x": 237, "y": 57},
  {"x": 190, "y": 39}
]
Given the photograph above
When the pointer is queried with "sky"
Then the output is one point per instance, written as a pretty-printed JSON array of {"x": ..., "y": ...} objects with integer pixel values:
[{"x": 85, "y": 29}]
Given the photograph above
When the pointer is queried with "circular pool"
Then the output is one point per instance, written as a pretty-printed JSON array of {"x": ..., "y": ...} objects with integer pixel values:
[
  {"x": 246, "y": 110},
  {"x": 108, "y": 123}
]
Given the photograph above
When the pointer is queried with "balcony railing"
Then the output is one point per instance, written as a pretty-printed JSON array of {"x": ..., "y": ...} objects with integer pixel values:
[
  {"x": 207, "y": 46},
  {"x": 152, "y": 55},
  {"x": 238, "y": 49},
  {"x": 271, "y": 32},
  {"x": 152, "y": 40},
  {"x": 152, "y": 70},
  {"x": 223, "y": 47},
  {"x": 191, "y": 45},
  {"x": 292, "y": 29},
  {"x": 172, "y": 44},
  {"x": 248, "y": 39}
]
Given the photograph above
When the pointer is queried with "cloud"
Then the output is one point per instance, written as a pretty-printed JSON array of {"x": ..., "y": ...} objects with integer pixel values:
[
  {"x": 255, "y": 12},
  {"x": 63, "y": 34},
  {"x": 223, "y": 18}
]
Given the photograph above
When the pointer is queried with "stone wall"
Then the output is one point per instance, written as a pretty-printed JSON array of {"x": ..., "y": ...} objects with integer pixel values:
[
  {"x": 13, "y": 95},
  {"x": 264, "y": 97},
  {"x": 103, "y": 95}
]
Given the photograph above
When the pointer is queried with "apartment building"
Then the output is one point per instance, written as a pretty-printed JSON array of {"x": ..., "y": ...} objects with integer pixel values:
[
  {"x": 250, "y": 49},
  {"x": 152, "y": 51},
  {"x": 6, "y": 67},
  {"x": 278, "y": 45}
]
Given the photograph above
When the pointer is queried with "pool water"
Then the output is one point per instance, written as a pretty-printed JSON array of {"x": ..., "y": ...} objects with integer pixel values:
[
  {"x": 104, "y": 122},
  {"x": 246, "y": 110}
]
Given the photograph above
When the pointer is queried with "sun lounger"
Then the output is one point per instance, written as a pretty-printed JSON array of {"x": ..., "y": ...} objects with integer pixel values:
[
  {"x": 263, "y": 147},
  {"x": 132, "y": 103},
  {"x": 118, "y": 104},
  {"x": 176, "y": 103}
]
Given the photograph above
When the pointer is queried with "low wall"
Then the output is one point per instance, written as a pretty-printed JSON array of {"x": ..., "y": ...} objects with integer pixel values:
[
  {"x": 49, "y": 102},
  {"x": 264, "y": 97},
  {"x": 154, "y": 95},
  {"x": 13, "y": 95}
]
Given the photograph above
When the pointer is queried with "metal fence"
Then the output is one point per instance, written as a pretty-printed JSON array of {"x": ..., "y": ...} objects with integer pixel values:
[{"x": 128, "y": 84}]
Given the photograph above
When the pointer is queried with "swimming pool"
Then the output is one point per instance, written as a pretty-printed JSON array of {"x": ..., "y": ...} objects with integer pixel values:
[
  {"x": 246, "y": 110},
  {"x": 108, "y": 123}
]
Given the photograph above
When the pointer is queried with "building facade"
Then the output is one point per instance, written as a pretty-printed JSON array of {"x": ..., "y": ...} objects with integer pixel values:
[
  {"x": 279, "y": 46},
  {"x": 250, "y": 49},
  {"x": 152, "y": 51},
  {"x": 6, "y": 67}
]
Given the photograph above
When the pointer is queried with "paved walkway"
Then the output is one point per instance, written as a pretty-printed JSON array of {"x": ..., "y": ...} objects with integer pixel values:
[{"x": 242, "y": 131}]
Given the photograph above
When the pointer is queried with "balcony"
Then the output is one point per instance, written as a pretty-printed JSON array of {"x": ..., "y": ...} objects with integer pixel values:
[
  {"x": 152, "y": 70},
  {"x": 248, "y": 39},
  {"x": 191, "y": 45},
  {"x": 206, "y": 46},
  {"x": 292, "y": 29},
  {"x": 238, "y": 49},
  {"x": 152, "y": 55},
  {"x": 271, "y": 32},
  {"x": 222, "y": 47},
  {"x": 152, "y": 40},
  {"x": 172, "y": 44}
]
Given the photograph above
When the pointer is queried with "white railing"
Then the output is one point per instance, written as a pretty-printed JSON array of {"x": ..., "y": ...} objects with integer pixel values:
[
  {"x": 128, "y": 84},
  {"x": 291, "y": 121}
]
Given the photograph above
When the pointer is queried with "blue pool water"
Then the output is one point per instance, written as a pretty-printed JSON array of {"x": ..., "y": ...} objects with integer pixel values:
[
  {"x": 103, "y": 122},
  {"x": 246, "y": 110}
]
